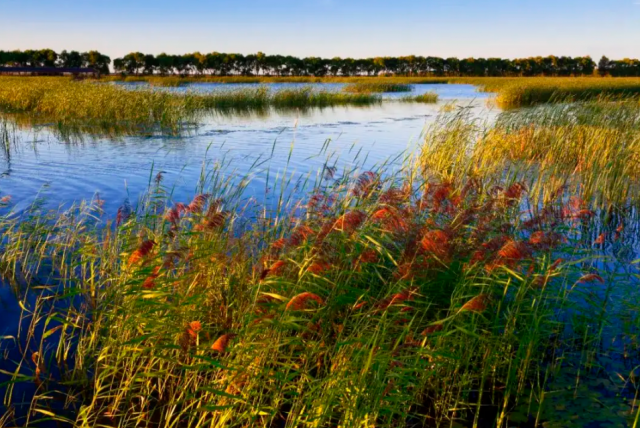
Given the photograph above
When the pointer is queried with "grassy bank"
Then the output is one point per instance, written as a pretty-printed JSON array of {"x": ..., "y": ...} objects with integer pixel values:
[
  {"x": 426, "y": 296},
  {"x": 530, "y": 92}
]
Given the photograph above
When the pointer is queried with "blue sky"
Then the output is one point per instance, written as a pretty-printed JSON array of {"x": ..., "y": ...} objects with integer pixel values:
[{"x": 356, "y": 28}]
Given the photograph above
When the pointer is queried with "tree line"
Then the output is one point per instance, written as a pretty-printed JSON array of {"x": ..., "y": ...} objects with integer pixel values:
[
  {"x": 226, "y": 64},
  {"x": 50, "y": 58}
]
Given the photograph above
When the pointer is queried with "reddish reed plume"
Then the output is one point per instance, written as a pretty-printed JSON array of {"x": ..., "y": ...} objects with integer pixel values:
[
  {"x": 299, "y": 302},
  {"x": 365, "y": 184},
  {"x": 318, "y": 267},
  {"x": 300, "y": 235},
  {"x": 150, "y": 282},
  {"x": 193, "y": 328},
  {"x": 432, "y": 329},
  {"x": 350, "y": 221},
  {"x": 477, "y": 304},
  {"x": 403, "y": 296},
  {"x": 392, "y": 219},
  {"x": 591, "y": 277},
  {"x": 222, "y": 343},
  {"x": 143, "y": 250},
  {"x": 436, "y": 242},
  {"x": 274, "y": 269},
  {"x": 197, "y": 204}
]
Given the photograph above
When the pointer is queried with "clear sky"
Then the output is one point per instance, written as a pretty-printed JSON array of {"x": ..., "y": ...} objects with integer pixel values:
[{"x": 356, "y": 28}]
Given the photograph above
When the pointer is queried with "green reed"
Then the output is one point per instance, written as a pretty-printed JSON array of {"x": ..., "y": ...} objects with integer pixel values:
[
  {"x": 426, "y": 98},
  {"x": 376, "y": 87},
  {"x": 533, "y": 91}
]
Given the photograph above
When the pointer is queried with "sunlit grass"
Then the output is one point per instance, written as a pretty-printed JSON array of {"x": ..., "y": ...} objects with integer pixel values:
[
  {"x": 86, "y": 104},
  {"x": 426, "y": 98}
]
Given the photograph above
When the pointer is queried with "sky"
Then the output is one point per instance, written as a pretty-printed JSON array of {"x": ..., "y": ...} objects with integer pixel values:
[{"x": 327, "y": 28}]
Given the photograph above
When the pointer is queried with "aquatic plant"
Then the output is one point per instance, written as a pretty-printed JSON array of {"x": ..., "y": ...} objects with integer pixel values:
[
  {"x": 426, "y": 98},
  {"x": 528, "y": 92},
  {"x": 86, "y": 105},
  {"x": 376, "y": 87}
]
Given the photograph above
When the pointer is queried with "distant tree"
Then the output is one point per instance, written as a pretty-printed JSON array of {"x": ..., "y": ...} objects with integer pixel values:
[
  {"x": 71, "y": 59},
  {"x": 603, "y": 66},
  {"x": 164, "y": 64},
  {"x": 96, "y": 60}
]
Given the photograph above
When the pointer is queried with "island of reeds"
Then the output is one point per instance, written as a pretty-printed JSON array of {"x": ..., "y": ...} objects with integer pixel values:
[{"x": 376, "y": 87}]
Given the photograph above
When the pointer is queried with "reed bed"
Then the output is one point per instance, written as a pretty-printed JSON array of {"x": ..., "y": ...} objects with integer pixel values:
[
  {"x": 168, "y": 82},
  {"x": 86, "y": 104},
  {"x": 426, "y": 98},
  {"x": 590, "y": 148},
  {"x": 512, "y": 92},
  {"x": 376, "y": 87},
  {"x": 407, "y": 303},
  {"x": 533, "y": 91}
]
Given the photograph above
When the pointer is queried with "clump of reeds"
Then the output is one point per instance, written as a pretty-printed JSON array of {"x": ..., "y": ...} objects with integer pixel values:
[
  {"x": 533, "y": 91},
  {"x": 376, "y": 87},
  {"x": 426, "y": 98},
  {"x": 399, "y": 289}
]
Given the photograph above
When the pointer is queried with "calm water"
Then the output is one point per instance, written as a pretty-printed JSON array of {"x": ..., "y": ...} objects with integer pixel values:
[{"x": 62, "y": 172}]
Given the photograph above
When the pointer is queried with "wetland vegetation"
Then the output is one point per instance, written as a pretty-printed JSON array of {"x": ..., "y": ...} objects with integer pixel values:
[
  {"x": 484, "y": 280},
  {"x": 376, "y": 87}
]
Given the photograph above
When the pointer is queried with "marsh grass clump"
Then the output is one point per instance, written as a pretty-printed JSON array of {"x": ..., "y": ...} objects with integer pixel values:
[
  {"x": 70, "y": 103},
  {"x": 588, "y": 148},
  {"x": 86, "y": 105},
  {"x": 426, "y": 98},
  {"x": 376, "y": 87},
  {"x": 307, "y": 97},
  {"x": 529, "y": 92}
]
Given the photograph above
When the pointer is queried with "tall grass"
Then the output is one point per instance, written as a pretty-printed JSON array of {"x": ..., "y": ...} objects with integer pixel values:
[
  {"x": 529, "y": 92},
  {"x": 589, "y": 149},
  {"x": 426, "y": 98},
  {"x": 85, "y": 104},
  {"x": 376, "y": 87}
]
